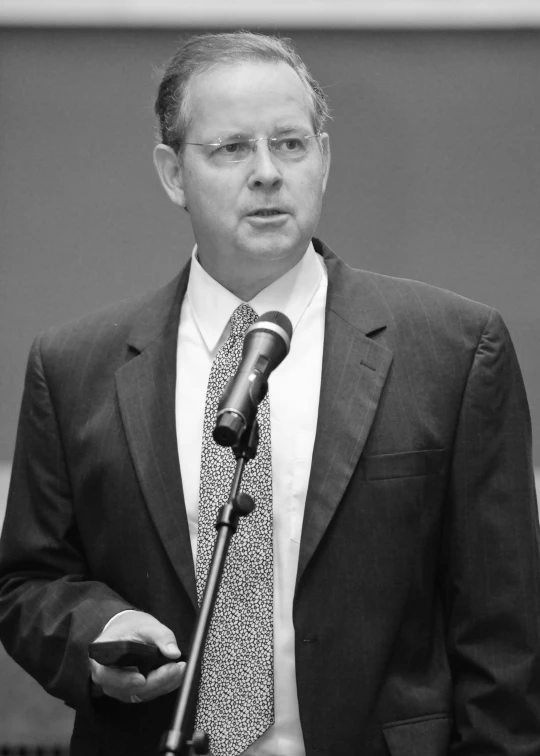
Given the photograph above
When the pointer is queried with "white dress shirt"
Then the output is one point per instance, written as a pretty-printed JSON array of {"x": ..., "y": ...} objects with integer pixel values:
[{"x": 294, "y": 389}]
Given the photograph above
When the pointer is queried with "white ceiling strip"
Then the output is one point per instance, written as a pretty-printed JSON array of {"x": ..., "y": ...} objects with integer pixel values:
[{"x": 282, "y": 13}]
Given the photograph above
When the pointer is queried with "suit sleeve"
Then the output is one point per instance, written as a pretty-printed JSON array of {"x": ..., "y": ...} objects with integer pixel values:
[
  {"x": 50, "y": 609},
  {"x": 491, "y": 560}
]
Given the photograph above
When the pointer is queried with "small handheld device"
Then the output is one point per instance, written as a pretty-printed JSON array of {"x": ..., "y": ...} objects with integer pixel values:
[{"x": 129, "y": 653}]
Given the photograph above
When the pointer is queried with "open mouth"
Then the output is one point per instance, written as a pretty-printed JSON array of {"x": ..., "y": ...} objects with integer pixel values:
[{"x": 266, "y": 213}]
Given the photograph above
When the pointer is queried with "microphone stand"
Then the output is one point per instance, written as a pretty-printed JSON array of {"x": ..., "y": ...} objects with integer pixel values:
[{"x": 175, "y": 742}]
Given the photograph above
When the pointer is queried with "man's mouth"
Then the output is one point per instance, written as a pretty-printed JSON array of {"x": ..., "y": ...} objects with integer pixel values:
[{"x": 267, "y": 213}]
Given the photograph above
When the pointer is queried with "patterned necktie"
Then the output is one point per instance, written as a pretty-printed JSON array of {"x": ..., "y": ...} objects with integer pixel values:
[{"x": 236, "y": 692}]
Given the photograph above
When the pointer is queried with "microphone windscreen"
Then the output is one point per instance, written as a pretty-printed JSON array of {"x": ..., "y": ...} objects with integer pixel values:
[{"x": 277, "y": 318}]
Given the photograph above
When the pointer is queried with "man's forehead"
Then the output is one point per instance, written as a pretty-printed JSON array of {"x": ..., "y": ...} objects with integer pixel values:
[
  {"x": 237, "y": 94},
  {"x": 240, "y": 71}
]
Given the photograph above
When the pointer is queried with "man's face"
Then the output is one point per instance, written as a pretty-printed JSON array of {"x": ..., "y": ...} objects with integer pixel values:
[{"x": 233, "y": 205}]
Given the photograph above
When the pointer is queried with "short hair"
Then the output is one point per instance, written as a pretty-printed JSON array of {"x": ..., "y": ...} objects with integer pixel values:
[{"x": 202, "y": 52}]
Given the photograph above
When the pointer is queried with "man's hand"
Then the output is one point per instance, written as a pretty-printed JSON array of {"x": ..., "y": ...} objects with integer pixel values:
[{"x": 131, "y": 686}]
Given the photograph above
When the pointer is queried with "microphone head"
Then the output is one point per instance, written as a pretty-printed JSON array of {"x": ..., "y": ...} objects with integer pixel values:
[
  {"x": 275, "y": 322},
  {"x": 279, "y": 318},
  {"x": 266, "y": 344}
]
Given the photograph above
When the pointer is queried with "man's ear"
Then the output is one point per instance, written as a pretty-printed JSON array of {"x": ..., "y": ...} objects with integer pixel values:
[
  {"x": 325, "y": 148},
  {"x": 169, "y": 168}
]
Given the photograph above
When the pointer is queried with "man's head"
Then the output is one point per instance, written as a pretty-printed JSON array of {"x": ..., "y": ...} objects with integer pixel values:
[
  {"x": 203, "y": 52},
  {"x": 242, "y": 150}
]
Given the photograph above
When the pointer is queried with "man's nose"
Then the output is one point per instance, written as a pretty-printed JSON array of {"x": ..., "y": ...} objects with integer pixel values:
[{"x": 265, "y": 169}]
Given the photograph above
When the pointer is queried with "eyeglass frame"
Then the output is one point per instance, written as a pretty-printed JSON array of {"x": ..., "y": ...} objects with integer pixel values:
[{"x": 253, "y": 142}]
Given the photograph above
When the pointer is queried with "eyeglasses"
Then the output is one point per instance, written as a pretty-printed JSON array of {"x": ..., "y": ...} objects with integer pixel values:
[{"x": 289, "y": 148}]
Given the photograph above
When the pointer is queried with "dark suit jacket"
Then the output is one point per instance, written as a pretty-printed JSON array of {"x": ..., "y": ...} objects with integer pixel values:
[{"x": 416, "y": 612}]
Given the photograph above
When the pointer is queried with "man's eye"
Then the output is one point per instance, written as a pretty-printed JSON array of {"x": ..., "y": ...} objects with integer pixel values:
[
  {"x": 291, "y": 144},
  {"x": 234, "y": 148}
]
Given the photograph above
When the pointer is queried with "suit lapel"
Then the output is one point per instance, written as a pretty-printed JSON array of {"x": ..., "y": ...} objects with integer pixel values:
[
  {"x": 353, "y": 375},
  {"x": 146, "y": 393}
]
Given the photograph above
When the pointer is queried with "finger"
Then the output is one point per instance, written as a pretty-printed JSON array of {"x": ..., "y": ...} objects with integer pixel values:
[
  {"x": 163, "y": 638},
  {"x": 169, "y": 648},
  {"x": 152, "y": 631},
  {"x": 115, "y": 678},
  {"x": 161, "y": 681},
  {"x": 124, "y": 693}
]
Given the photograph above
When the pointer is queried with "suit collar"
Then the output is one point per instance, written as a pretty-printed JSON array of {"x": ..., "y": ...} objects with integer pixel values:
[
  {"x": 159, "y": 311},
  {"x": 352, "y": 294}
]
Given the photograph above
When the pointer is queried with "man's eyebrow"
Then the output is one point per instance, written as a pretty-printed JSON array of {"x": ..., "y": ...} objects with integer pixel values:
[
  {"x": 289, "y": 130},
  {"x": 280, "y": 130},
  {"x": 235, "y": 135}
]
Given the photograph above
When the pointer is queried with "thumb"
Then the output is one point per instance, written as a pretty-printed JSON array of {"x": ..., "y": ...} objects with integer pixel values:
[{"x": 163, "y": 638}]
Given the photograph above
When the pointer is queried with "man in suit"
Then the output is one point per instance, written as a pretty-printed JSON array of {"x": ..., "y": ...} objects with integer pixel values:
[{"x": 406, "y": 574}]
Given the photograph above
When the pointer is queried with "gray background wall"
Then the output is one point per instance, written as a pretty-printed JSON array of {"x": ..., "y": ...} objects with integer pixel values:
[
  {"x": 436, "y": 176},
  {"x": 436, "y": 173}
]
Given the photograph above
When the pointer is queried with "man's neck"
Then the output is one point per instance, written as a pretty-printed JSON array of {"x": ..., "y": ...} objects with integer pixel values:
[{"x": 251, "y": 279}]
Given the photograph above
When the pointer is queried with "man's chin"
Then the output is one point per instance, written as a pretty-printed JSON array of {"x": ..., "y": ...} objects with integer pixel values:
[{"x": 275, "y": 246}]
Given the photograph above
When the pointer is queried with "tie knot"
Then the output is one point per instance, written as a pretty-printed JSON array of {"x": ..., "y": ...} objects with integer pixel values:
[{"x": 241, "y": 319}]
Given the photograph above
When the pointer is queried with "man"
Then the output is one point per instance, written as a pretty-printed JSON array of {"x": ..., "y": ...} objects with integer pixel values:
[{"x": 405, "y": 575}]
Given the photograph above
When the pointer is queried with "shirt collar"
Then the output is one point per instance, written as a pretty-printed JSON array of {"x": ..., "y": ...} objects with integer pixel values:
[{"x": 212, "y": 304}]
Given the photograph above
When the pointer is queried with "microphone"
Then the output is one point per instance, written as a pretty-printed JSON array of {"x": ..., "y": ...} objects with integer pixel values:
[{"x": 266, "y": 344}]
